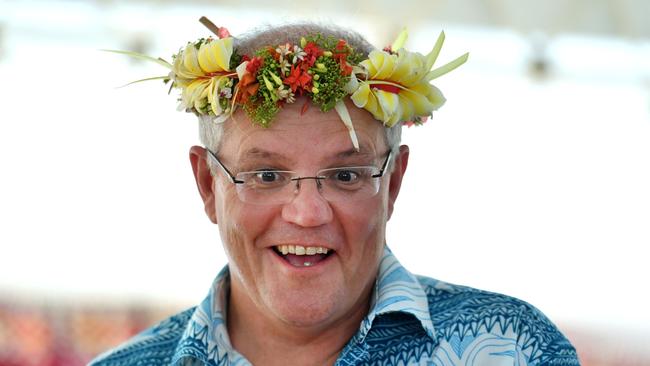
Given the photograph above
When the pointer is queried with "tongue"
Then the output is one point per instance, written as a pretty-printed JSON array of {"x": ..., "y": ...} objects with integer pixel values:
[{"x": 304, "y": 260}]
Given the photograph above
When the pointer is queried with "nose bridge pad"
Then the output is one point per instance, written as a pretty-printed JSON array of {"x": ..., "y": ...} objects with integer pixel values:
[
  {"x": 297, "y": 188},
  {"x": 319, "y": 184}
]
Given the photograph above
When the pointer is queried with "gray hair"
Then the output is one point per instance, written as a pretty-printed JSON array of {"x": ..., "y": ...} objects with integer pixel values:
[{"x": 211, "y": 133}]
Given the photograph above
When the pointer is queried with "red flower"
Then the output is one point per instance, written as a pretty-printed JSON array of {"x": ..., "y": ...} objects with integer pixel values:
[
  {"x": 341, "y": 51},
  {"x": 341, "y": 46},
  {"x": 312, "y": 48},
  {"x": 254, "y": 65},
  {"x": 313, "y": 52},
  {"x": 245, "y": 58},
  {"x": 345, "y": 68},
  {"x": 297, "y": 78},
  {"x": 341, "y": 54}
]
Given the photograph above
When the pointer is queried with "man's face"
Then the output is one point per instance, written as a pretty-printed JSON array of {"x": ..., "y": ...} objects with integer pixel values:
[{"x": 333, "y": 286}]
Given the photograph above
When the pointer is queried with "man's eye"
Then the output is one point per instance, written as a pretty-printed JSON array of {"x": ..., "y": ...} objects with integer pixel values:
[
  {"x": 268, "y": 177},
  {"x": 346, "y": 176}
]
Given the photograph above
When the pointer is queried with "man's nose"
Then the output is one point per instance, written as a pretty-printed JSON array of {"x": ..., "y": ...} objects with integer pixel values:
[{"x": 308, "y": 208}]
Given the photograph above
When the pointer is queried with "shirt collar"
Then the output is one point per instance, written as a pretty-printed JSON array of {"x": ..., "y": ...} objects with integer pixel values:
[
  {"x": 396, "y": 290},
  {"x": 206, "y": 336}
]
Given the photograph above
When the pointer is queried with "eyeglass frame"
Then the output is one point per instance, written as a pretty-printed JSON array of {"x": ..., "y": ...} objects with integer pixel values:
[{"x": 297, "y": 179}]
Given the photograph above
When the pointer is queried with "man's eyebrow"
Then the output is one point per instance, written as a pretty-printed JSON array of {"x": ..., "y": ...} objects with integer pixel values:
[
  {"x": 257, "y": 153},
  {"x": 363, "y": 153}
]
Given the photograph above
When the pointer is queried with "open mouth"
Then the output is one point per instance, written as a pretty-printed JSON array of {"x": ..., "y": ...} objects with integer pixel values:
[{"x": 299, "y": 256}]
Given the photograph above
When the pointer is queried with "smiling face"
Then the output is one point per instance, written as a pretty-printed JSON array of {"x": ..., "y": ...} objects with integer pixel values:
[{"x": 315, "y": 290}]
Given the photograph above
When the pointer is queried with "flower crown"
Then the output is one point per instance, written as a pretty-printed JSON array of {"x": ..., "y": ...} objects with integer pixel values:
[{"x": 392, "y": 84}]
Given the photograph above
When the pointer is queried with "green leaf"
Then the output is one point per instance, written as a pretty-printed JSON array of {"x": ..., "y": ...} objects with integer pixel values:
[
  {"x": 147, "y": 79},
  {"x": 447, "y": 67},
  {"x": 140, "y": 56}
]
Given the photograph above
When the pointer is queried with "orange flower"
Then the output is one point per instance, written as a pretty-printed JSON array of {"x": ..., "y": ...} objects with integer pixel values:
[
  {"x": 247, "y": 87},
  {"x": 274, "y": 54}
]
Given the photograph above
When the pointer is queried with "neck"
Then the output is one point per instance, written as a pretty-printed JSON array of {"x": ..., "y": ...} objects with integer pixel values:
[{"x": 265, "y": 340}]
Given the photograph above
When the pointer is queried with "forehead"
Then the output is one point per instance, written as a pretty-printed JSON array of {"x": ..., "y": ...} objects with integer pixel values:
[{"x": 294, "y": 134}]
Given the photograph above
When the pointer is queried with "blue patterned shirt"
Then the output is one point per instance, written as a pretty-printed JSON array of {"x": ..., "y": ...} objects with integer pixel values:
[{"x": 413, "y": 320}]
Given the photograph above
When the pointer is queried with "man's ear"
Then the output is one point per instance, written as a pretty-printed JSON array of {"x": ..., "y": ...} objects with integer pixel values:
[
  {"x": 203, "y": 177},
  {"x": 396, "y": 176}
]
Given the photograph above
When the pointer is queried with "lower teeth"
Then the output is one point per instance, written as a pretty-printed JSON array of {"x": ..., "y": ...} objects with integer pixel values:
[{"x": 307, "y": 264}]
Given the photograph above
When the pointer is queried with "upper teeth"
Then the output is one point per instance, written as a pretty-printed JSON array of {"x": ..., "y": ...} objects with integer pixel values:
[{"x": 300, "y": 250}]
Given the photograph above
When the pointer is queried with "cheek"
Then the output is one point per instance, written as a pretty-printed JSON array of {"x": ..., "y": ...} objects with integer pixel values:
[
  {"x": 239, "y": 227},
  {"x": 236, "y": 220},
  {"x": 364, "y": 226}
]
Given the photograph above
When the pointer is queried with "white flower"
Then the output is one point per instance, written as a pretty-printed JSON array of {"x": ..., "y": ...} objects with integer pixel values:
[
  {"x": 397, "y": 86},
  {"x": 225, "y": 93},
  {"x": 285, "y": 66},
  {"x": 284, "y": 51},
  {"x": 283, "y": 93},
  {"x": 298, "y": 54}
]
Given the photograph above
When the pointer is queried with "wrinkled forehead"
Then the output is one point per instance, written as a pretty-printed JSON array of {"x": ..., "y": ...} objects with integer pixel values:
[{"x": 295, "y": 133}]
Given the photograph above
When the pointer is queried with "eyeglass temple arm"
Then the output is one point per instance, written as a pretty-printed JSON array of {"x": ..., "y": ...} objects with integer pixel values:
[
  {"x": 383, "y": 167},
  {"x": 228, "y": 173}
]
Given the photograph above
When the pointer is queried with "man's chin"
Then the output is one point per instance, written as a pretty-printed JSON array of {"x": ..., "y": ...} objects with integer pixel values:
[
  {"x": 306, "y": 309},
  {"x": 309, "y": 320}
]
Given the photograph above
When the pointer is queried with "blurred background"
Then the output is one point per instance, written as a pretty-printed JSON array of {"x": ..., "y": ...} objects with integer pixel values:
[{"x": 531, "y": 181}]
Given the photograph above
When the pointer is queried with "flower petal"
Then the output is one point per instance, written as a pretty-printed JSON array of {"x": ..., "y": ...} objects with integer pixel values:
[
  {"x": 213, "y": 96},
  {"x": 193, "y": 91},
  {"x": 435, "y": 51},
  {"x": 401, "y": 39},
  {"x": 360, "y": 96},
  {"x": 342, "y": 110},
  {"x": 241, "y": 69},
  {"x": 416, "y": 69},
  {"x": 352, "y": 85},
  {"x": 375, "y": 62},
  {"x": 190, "y": 66},
  {"x": 423, "y": 103},
  {"x": 384, "y": 64},
  {"x": 408, "y": 111},
  {"x": 214, "y": 56},
  {"x": 389, "y": 103}
]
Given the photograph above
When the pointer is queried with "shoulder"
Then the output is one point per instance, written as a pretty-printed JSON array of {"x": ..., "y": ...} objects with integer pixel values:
[
  {"x": 153, "y": 346},
  {"x": 461, "y": 312}
]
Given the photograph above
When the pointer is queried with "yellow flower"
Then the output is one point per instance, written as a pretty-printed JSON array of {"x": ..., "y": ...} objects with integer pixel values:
[
  {"x": 201, "y": 73},
  {"x": 397, "y": 87}
]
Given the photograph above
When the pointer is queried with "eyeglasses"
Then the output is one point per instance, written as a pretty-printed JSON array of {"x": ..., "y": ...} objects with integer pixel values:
[{"x": 271, "y": 187}]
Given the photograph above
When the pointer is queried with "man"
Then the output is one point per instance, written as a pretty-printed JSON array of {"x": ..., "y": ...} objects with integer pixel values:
[{"x": 301, "y": 206}]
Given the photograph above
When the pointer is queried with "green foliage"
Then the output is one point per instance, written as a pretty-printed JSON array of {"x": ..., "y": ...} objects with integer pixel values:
[
  {"x": 261, "y": 110},
  {"x": 235, "y": 60},
  {"x": 263, "y": 106},
  {"x": 198, "y": 43},
  {"x": 330, "y": 85}
]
